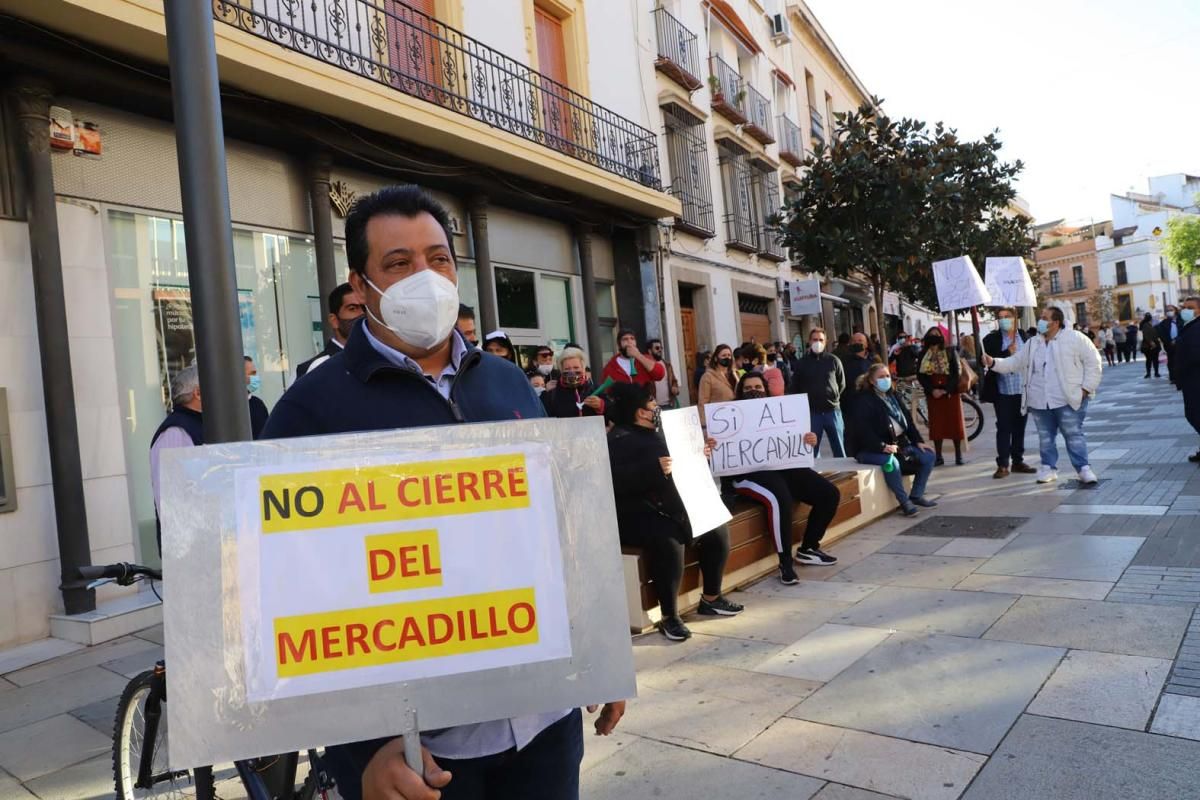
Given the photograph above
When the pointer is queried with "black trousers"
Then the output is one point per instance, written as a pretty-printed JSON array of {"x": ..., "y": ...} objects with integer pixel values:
[
  {"x": 1191, "y": 407},
  {"x": 660, "y": 543},
  {"x": 1171, "y": 363},
  {"x": 780, "y": 490},
  {"x": 1152, "y": 360},
  {"x": 1010, "y": 430}
]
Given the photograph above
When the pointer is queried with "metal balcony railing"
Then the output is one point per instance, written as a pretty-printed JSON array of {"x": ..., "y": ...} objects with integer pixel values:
[
  {"x": 728, "y": 90},
  {"x": 791, "y": 143},
  {"x": 818, "y": 127},
  {"x": 390, "y": 43},
  {"x": 678, "y": 51},
  {"x": 758, "y": 114},
  {"x": 687, "y": 158},
  {"x": 1078, "y": 285}
]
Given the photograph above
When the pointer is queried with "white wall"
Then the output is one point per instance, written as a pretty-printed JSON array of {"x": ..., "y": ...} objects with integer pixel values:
[
  {"x": 620, "y": 37},
  {"x": 500, "y": 24},
  {"x": 1177, "y": 189},
  {"x": 29, "y": 567}
]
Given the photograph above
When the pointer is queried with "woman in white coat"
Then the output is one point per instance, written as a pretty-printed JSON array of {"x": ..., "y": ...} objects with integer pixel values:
[{"x": 1061, "y": 370}]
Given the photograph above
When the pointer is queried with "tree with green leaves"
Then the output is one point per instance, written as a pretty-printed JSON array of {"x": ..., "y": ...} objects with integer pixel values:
[
  {"x": 885, "y": 198},
  {"x": 1181, "y": 245}
]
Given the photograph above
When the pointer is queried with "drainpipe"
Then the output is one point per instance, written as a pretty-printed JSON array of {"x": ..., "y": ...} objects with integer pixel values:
[
  {"x": 587, "y": 269},
  {"x": 33, "y": 98},
  {"x": 318, "y": 193},
  {"x": 488, "y": 318}
]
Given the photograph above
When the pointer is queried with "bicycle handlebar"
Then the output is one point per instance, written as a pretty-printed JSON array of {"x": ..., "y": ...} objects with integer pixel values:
[{"x": 119, "y": 572}]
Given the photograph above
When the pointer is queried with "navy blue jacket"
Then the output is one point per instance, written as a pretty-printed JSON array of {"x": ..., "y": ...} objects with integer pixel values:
[{"x": 360, "y": 390}]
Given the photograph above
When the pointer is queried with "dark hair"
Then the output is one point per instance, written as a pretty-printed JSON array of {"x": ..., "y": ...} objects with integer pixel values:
[
  {"x": 625, "y": 332},
  {"x": 934, "y": 336},
  {"x": 408, "y": 200},
  {"x": 749, "y": 376},
  {"x": 712, "y": 359},
  {"x": 1056, "y": 314},
  {"x": 1009, "y": 309},
  {"x": 843, "y": 338},
  {"x": 651, "y": 342},
  {"x": 624, "y": 400},
  {"x": 249, "y": 359},
  {"x": 465, "y": 311},
  {"x": 338, "y": 296}
]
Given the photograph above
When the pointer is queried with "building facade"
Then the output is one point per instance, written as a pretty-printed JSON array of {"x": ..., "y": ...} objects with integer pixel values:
[
  {"x": 744, "y": 91},
  {"x": 516, "y": 114},
  {"x": 1070, "y": 274}
]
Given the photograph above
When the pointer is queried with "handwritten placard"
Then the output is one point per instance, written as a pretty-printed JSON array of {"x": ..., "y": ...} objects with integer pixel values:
[
  {"x": 760, "y": 434},
  {"x": 1008, "y": 282},
  {"x": 958, "y": 284},
  {"x": 690, "y": 471}
]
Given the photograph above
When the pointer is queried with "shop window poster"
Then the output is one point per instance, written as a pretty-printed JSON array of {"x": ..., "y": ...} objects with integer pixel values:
[{"x": 176, "y": 340}]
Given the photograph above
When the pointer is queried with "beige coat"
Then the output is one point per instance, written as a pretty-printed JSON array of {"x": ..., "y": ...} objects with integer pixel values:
[{"x": 714, "y": 388}]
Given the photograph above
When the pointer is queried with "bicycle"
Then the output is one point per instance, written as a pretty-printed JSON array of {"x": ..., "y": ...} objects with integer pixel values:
[
  {"x": 139, "y": 756},
  {"x": 911, "y": 393}
]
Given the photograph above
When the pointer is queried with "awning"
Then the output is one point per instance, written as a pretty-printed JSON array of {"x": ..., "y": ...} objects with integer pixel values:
[{"x": 730, "y": 19}]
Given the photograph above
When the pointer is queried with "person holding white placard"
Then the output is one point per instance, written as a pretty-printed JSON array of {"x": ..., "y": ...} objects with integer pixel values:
[
  {"x": 780, "y": 490},
  {"x": 650, "y": 514}
]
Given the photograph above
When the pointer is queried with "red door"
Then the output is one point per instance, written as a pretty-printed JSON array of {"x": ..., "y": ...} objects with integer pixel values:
[
  {"x": 552, "y": 63},
  {"x": 413, "y": 47}
]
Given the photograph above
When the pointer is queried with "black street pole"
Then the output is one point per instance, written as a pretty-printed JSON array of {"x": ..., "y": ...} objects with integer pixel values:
[
  {"x": 200, "y": 147},
  {"x": 318, "y": 193}
]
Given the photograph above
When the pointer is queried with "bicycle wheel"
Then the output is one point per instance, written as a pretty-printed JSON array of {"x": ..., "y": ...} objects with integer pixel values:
[
  {"x": 972, "y": 417},
  {"x": 128, "y": 736}
]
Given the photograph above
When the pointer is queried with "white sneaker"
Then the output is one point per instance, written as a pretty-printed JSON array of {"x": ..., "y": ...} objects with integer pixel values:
[
  {"x": 1047, "y": 474},
  {"x": 1086, "y": 475}
]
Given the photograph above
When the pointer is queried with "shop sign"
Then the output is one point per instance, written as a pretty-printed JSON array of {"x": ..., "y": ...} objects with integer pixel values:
[{"x": 805, "y": 297}]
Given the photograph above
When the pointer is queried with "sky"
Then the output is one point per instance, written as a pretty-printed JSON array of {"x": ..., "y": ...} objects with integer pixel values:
[{"x": 1094, "y": 96}]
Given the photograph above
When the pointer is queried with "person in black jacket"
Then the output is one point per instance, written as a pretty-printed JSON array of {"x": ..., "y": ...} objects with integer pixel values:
[
  {"x": 1151, "y": 344},
  {"x": 258, "y": 409},
  {"x": 1168, "y": 332},
  {"x": 1187, "y": 364},
  {"x": 573, "y": 395},
  {"x": 405, "y": 366},
  {"x": 884, "y": 434},
  {"x": 820, "y": 375},
  {"x": 650, "y": 514},
  {"x": 1004, "y": 393},
  {"x": 345, "y": 308}
]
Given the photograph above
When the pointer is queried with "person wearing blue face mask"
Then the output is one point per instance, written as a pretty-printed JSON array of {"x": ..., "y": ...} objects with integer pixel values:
[
  {"x": 1004, "y": 393},
  {"x": 1060, "y": 370},
  {"x": 1187, "y": 364},
  {"x": 258, "y": 409}
]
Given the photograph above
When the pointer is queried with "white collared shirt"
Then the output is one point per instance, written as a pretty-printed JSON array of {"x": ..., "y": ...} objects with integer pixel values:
[
  {"x": 443, "y": 382},
  {"x": 1045, "y": 387}
]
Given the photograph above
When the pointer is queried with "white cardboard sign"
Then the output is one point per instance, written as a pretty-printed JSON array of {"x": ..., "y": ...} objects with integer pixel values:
[
  {"x": 1008, "y": 282},
  {"x": 958, "y": 284},
  {"x": 690, "y": 470},
  {"x": 805, "y": 297},
  {"x": 761, "y": 434}
]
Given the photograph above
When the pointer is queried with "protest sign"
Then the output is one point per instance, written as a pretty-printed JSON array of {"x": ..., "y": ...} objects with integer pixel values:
[
  {"x": 322, "y": 588},
  {"x": 690, "y": 471},
  {"x": 805, "y": 297},
  {"x": 1008, "y": 282},
  {"x": 958, "y": 284},
  {"x": 761, "y": 434}
]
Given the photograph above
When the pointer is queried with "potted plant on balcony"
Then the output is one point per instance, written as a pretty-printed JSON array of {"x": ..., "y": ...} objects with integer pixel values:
[
  {"x": 740, "y": 97},
  {"x": 714, "y": 88}
]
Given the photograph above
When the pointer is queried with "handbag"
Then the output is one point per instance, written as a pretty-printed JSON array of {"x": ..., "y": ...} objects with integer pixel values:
[
  {"x": 906, "y": 457},
  {"x": 966, "y": 376}
]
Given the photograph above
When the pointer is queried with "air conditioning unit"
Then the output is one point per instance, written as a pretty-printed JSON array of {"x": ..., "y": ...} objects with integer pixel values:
[{"x": 780, "y": 32}]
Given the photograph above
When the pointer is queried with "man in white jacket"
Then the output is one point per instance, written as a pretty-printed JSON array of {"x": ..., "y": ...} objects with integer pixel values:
[{"x": 1061, "y": 370}]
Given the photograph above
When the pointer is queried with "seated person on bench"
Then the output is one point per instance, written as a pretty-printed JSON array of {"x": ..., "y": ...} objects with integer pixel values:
[
  {"x": 780, "y": 490},
  {"x": 650, "y": 514}
]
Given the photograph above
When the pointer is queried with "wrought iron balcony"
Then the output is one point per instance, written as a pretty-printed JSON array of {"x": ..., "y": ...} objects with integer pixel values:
[
  {"x": 392, "y": 44},
  {"x": 1078, "y": 285},
  {"x": 758, "y": 113},
  {"x": 678, "y": 51},
  {"x": 728, "y": 91},
  {"x": 818, "y": 127},
  {"x": 687, "y": 158},
  {"x": 791, "y": 144}
]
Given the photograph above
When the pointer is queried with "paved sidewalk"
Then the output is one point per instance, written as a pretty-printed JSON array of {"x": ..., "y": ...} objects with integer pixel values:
[{"x": 1016, "y": 642}]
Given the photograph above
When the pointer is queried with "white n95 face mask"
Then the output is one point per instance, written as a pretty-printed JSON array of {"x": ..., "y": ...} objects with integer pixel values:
[{"x": 421, "y": 309}]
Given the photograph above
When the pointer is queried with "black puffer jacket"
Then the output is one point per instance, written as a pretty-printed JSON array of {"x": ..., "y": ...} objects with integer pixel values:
[{"x": 646, "y": 498}]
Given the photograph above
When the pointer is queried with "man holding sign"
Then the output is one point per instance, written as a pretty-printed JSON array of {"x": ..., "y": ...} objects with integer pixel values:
[{"x": 405, "y": 366}]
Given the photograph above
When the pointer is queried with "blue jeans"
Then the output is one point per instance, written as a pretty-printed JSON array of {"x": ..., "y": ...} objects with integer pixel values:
[
  {"x": 895, "y": 480},
  {"x": 1050, "y": 422},
  {"x": 829, "y": 422}
]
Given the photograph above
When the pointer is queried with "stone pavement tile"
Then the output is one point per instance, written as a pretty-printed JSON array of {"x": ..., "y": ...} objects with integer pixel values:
[
  {"x": 769, "y": 619},
  {"x": 24, "y": 655},
  {"x": 653, "y": 650},
  {"x": 999, "y": 505},
  {"x": 1103, "y": 688},
  {"x": 91, "y": 780},
  {"x": 928, "y": 611},
  {"x": 1178, "y": 715},
  {"x": 50, "y": 745},
  {"x": 50, "y": 698},
  {"x": 1128, "y": 628},
  {"x": 597, "y": 749},
  {"x": 1083, "y": 558},
  {"x": 963, "y": 547},
  {"x": 1045, "y": 587},
  {"x": 836, "y": 791},
  {"x": 10, "y": 789},
  {"x": 735, "y": 684},
  {"x": 914, "y": 545},
  {"x": 89, "y": 657},
  {"x": 928, "y": 572},
  {"x": 154, "y": 634},
  {"x": 813, "y": 590},
  {"x": 133, "y": 665},
  {"x": 703, "y": 722},
  {"x": 1054, "y": 759},
  {"x": 941, "y": 690},
  {"x": 849, "y": 551},
  {"x": 741, "y": 654},
  {"x": 824, "y": 653},
  {"x": 665, "y": 772},
  {"x": 864, "y": 760},
  {"x": 1087, "y": 510},
  {"x": 101, "y": 715}
]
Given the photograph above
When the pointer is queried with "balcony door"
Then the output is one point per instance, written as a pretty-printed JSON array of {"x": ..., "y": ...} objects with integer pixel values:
[
  {"x": 413, "y": 47},
  {"x": 552, "y": 63}
]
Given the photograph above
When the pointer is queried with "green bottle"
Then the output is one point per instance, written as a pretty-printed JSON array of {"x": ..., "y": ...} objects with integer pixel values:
[{"x": 890, "y": 465}]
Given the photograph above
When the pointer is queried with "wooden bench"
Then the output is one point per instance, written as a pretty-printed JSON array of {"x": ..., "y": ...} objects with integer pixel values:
[{"x": 750, "y": 542}]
